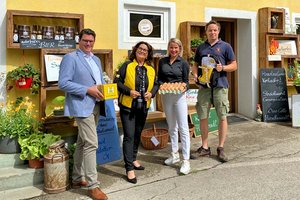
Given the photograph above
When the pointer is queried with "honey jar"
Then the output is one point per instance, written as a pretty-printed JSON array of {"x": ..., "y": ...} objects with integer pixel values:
[
  {"x": 48, "y": 32},
  {"x": 24, "y": 31},
  {"x": 69, "y": 33}
]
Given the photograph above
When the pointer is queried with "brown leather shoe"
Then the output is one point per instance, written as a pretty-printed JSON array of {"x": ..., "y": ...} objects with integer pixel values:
[
  {"x": 97, "y": 194},
  {"x": 82, "y": 183}
]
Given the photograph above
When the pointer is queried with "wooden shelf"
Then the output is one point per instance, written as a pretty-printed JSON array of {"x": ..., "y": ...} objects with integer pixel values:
[
  {"x": 286, "y": 54},
  {"x": 107, "y": 65},
  {"x": 20, "y": 17},
  {"x": 264, "y": 50},
  {"x": 188, "y": 31},
  {"x": 266, "y": 24}
]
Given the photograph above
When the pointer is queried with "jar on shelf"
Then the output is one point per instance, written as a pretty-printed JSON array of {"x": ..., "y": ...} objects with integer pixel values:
[
  {"x": 69, "y": 33},
  {"x": 33, "y": 32},
  {"x": 15, "y": 34},
  {"x": 24, "y": 31},
  {"x": 48, "y": 32},
  {"x": 39, "y": 34}
]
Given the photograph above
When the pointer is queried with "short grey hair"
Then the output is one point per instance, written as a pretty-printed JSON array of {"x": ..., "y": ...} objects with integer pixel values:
[{"x": 179, "y": 43}]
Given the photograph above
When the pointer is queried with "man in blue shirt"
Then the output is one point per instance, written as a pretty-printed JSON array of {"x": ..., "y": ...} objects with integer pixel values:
[{"x": 216, "y": 92}]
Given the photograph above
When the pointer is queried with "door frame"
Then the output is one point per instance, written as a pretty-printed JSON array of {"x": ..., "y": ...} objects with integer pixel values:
[{"x": 247, "y": 49}]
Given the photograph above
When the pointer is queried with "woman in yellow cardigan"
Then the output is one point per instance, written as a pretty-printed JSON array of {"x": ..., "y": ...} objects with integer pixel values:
[{"x": 136, "y": 85}]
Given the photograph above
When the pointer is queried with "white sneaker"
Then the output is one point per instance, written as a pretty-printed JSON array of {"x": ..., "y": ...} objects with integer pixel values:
[
  {"x": 173, "y": 159},
  {"x": 185, "y": 167}
]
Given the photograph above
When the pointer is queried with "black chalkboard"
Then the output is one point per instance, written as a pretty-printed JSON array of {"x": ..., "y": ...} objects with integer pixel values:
[
  {"x": 274, "y": 97},
  {"x": 47, "y": 44}
]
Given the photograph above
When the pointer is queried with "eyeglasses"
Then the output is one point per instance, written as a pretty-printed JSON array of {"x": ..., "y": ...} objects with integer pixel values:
[
  {"x": 88, "y": 41},
  {"x": 143, "y": 50}
]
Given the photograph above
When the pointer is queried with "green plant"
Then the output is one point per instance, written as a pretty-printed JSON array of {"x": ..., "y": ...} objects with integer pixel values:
[
  {"x": 17, "y": 118},
  {"x": 191, "y": 58},
  {"x": 36, "y": 145},
  {"x": 116, "y": 70},
  {"x": 297, "y": 73},
  {"x": 26, "y": 71},
  {"x": 196, "y": 42},
  {"x": 297, "y": 81},
  {"x": 59, "y": 102}
]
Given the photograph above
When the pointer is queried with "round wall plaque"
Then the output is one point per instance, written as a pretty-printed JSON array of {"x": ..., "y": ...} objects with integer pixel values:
[{"x": 145, "y": 27}]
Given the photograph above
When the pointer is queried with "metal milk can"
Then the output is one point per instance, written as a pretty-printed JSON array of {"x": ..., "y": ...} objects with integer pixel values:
[{"x": 56, "y": 168}]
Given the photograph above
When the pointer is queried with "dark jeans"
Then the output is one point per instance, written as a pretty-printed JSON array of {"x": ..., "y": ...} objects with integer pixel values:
[{"x": 133, "y": 122}]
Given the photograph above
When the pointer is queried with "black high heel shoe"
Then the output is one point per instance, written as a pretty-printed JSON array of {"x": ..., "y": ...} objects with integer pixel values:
[
  {"x": 131, "y": 180},
  {"x": 139, "y": 167}
]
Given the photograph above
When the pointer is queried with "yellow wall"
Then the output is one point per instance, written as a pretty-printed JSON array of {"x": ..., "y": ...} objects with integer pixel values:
[{"x": 102, "y": 16}]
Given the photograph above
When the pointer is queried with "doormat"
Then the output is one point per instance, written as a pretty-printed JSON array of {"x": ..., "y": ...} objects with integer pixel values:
[{"x": 232, "y": 119}]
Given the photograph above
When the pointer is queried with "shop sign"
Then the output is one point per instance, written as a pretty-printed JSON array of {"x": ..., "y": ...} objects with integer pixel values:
[{"x": 47, "y": 44}]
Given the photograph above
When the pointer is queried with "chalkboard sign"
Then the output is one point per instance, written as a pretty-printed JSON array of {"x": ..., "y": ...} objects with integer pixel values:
[
  {"x": 108, "y": 136},
  {"x": 47, "y": 44},
  {"x": 213, "y": 122},
  {"x": 274, "y": 97}
]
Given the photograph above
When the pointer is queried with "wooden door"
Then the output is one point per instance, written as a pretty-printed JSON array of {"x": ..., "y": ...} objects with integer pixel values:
[{"x": 228, "y": 34}]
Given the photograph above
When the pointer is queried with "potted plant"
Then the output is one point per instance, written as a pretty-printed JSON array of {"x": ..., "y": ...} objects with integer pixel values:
[
  {"x": 296, "y": 80},
  {"x": 25, "y": 76},
  {"x": 58, "y": 103},
  {"x": 17, "y": 119},
  {"x": 196, "y": 42},
  {"x": 297, "y": 84},
  {"x": 35, "y": 146}
]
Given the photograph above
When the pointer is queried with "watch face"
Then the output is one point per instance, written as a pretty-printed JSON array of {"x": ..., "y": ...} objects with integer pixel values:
[{"x": 145, "y": 27}]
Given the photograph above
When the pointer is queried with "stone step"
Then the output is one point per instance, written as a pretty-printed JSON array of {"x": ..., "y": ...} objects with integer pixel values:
[
  {"x": 10, "y": 160},
  {"x": 22, "y": 193},
  {"x": 20, "y": 176}
]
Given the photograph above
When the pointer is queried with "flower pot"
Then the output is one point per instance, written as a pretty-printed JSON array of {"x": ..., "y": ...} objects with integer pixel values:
[
  {"x": 24, "y": 82},
  {"x": 9, "y": 145},
  {"x": 36, "y": 163},
  {"x": 58, "y": 112}
]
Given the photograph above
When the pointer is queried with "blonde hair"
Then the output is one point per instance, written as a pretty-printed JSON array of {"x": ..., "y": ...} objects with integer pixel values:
[{"x": 178, "y": 42}]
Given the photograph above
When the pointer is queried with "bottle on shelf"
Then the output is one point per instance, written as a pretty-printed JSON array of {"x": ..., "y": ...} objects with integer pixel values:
[
  {"x": 62, "y": 34},
  {"x": 57, "y": 33},
  {"x": 39, "y": 34},
  {"x": 33, "y": 32},
  {"x": 15, "y": 34}
]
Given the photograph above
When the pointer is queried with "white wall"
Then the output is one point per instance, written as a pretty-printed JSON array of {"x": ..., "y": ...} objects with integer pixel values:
[
  {"x": 247, "y": 56},
  {"x": 2, "y": 49}
]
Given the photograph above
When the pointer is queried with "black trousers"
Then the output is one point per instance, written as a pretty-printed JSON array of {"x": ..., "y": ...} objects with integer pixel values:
[{"x": 133, "y": 122}]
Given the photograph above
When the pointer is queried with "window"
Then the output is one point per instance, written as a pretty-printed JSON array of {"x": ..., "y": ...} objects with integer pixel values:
[
  {"x": 152, "y": 21},
  {"x": 296, "y": 21}
]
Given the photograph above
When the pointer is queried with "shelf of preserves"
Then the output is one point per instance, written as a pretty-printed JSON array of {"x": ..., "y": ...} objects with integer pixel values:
[{"x": 27, "y": 19}]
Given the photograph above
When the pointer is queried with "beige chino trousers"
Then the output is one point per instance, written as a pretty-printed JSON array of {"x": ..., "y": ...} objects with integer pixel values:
[{"x": 85, "y": 167}]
